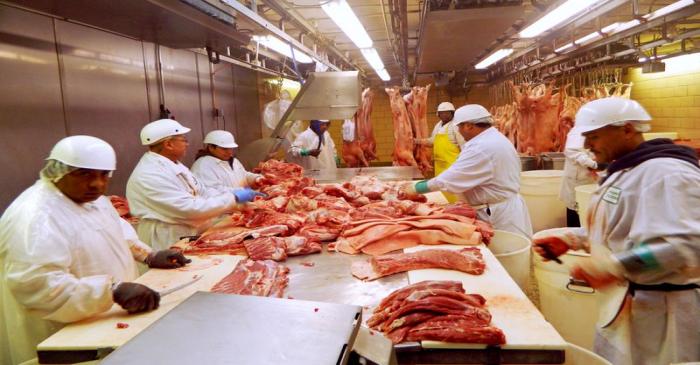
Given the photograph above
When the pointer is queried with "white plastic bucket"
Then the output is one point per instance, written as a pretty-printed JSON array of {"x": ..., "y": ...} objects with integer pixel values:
[
  {"x": 583, "y": 198},
  {"x": 540, "y": 189},
  {"x": 576, "y": 355},
  {"x": 513, "y": 252},
  {"x": 571, "y": 309}
]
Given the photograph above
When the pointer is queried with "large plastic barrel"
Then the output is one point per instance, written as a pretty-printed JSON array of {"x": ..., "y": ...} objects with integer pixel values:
[
  {"x": 513, "y": 252},
  {"x": 583, "y": 198},
  {"x": 575, "y": 355},
  {"x": 540, "y": 189},
  {"x": 571, "y": 308}
]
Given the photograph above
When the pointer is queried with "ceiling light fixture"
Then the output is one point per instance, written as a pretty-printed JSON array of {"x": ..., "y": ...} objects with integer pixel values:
[
  {"x": 555, "y": 17},
  {"x": 343, "y": 16},
  {"x": 493, "y": 58},
  {"x": 373, "y": 58},
  {"x": 678, "y": 5},
  {"x": 282, "y": 48},
  {"x": 383, "y": 74},
  {"x": 588, "y": 38}
]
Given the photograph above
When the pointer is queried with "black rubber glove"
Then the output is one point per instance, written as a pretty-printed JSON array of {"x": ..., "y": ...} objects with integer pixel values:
[
  {"x": 135, "y": 298},
  {"x": 314, "y": 152},
  {"x": 166, "y": 259}
]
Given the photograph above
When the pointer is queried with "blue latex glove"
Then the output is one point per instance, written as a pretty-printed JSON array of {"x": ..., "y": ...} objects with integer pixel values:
[{"x": 246, "y": 195}]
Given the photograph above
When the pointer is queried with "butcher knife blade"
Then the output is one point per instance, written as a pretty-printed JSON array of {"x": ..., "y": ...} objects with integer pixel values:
[{"x": 179, "y": 286}]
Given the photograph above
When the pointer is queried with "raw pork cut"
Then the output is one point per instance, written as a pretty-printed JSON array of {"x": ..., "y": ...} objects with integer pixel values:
[
  {"x": 468, "y": 260},
  {"x": 417, "y": 106},
  {"x": 266, "y": 248},
  {"x": 435, "y": 310},
  {"x": 364, "y": 126},
  {"x": 403, "y": 135},
  {"x": 260, "y": 278},
  {"x": 227, "y": 240}
]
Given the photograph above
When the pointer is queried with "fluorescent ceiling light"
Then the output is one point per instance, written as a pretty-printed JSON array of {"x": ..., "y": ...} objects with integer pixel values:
[
  {"x": 282, "y": 48},
  {"x": 555, "y": 17},
  {"x": 343, "y": 16},
  {"x": 627, "y": 25},
  {"x": 372, "y": 58},
  {"x": 610, "y": 28},
  {"x": 669, "y": 9},
  {"x": 644, "y": 59},
  {"x": 564, "y": 48},
  {"x": 493, "y": 58},
  {"x": 383, "y": 74},
  {"x": 683, "y": 63}
]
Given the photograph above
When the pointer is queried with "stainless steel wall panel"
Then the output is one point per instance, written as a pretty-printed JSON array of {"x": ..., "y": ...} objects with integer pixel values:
[
  {"x": 182, "y": 94},
  {"x": 104, "y": 89},
  {"x": 31, "y": 111},
  {"x": 224, "y": 97},
  {"x": 206, "y": 94},
  {"x": 248, "y": 119},
  {"x": 152, "y": 86}
]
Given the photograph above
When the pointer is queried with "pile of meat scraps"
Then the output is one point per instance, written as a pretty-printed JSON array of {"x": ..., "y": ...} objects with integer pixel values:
[
  {"x": 438, "y": 311},
  {"x": 468, "y": 260},
  {"x": 301, "y": 214},
  {"x": 264, "y": 278}
]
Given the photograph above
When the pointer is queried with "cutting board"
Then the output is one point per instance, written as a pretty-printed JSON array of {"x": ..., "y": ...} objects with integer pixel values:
[
  {"x": 101, "y": 331},
  {"x": 524, "y": 326},
  {"x": 211, "y": 328}
]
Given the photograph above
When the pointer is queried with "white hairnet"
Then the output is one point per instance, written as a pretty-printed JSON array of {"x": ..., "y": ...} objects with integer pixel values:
[{"x": 55, "y": 170}]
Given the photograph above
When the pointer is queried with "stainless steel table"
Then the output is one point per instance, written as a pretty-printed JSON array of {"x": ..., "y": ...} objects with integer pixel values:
[{"x": 389, "y": 173}]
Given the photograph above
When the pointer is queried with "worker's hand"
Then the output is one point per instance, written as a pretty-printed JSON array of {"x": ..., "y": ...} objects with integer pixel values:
[
  {"x": 135, "y": 298},
  {"x": 408, "y": 189},
  {"x": 246, "y": 195},
  {"x": 166, "y": 259},
  {"x": 315, "y": 152},
  {"x": 556, "y": 245},
  {"x": 418, "y": 141},
  {"x": 599, "y": 272}
]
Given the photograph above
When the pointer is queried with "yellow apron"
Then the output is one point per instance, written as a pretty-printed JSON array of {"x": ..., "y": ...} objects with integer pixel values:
[{"x": 445, "y": 153}]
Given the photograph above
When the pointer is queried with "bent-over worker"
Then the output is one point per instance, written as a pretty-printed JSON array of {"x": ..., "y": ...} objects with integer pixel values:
[
  {"x": 579, "y": 169},
  {"x": 65, "y": 254},
  {"x": 218, "y": 168},
  {"x": 169, "y": 200},
  {"x": 315, "y": 147},
  {"x": 486, "y": 173},
  {"x": 644, "y": 237}
]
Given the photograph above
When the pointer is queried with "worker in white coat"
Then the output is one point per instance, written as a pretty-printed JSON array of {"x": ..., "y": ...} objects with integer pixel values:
[
  {"x": 579, "y": 169},
  {"x": 65, "y": 254},
  {"x": 446, "y": 142},
  {"x": 218, "y": 168},
  {"x": 315, "y": 147},
  {"x": 644, "y": 237},
  {"x": 167, "y": 198},
  {"x": 486, "y": 173}
]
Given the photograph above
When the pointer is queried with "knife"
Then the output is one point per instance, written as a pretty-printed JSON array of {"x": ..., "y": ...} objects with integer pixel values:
[
  {"x": 179, "y": 286},
  {"x": 549, "y": 255}
]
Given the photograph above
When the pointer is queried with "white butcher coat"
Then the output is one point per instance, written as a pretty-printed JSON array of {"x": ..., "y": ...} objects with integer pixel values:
[
  {"x": 487, "y": 171},
  {"x": 576, "y": 173},
  {"x": 171, "y": 202},
  {"x": 309, "y": 140},
  {"x": 58, "y": 260},
  {"x": 217, "y": 174},
  {"x": 655, "y": 203}
]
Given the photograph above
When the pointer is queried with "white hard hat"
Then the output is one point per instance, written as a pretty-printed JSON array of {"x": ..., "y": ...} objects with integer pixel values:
[
  {"x": 162, "y": 128},
  {"x": 85, "y": 152},
  {"x": 608, "y": 111},
  {"x": 222, "y": 139},
  {"x": 445, "y": 106},
  {"x": 470, "y": 113}
]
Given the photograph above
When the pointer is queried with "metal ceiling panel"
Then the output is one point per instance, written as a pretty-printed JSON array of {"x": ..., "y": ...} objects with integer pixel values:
[{"x": 452, "y": 39}]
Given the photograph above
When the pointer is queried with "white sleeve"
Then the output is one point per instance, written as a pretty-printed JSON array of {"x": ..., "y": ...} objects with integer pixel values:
[
  {"x": 165, "y": 195},
  {"x": 297, "y": 146},
  {"x": 667, "y": 222},
  {"x": 580, "y": 157},
  {"x": 39, "y": 277},
  {"x": 138, "y": 249},
  {"x": 331, "y": 144},
  {"x": 471, "y": 169}
]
